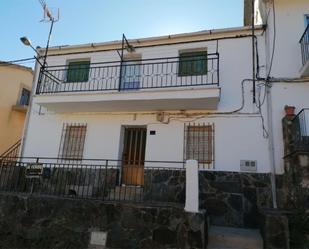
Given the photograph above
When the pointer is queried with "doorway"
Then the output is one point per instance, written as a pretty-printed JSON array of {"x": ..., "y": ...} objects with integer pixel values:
[{"x": 133, "y": 155}]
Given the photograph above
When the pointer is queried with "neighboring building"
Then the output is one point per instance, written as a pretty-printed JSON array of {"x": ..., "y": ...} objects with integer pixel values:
[
  {"x": 289, "y": 69},
  {"x": 16, "y": 83}
]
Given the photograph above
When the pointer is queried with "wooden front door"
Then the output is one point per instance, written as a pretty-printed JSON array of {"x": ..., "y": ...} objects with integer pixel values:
[{"x": 134, "y": 155}]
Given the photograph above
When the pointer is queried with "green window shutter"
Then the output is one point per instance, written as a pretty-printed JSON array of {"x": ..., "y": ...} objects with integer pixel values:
[
  {"x": 78, "y": 71},
  {"x": 193, "y": 63}
]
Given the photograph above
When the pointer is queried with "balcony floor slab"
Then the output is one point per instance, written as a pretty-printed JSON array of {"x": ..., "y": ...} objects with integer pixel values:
[{"x": 130, "y": 101}]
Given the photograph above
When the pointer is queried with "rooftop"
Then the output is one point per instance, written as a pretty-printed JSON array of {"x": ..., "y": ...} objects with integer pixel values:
[
  {"x": 3, "y": 63},
  {"x": 158, "y": 40}
]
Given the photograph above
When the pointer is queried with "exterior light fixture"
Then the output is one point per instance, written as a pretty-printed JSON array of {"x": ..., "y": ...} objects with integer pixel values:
[
  {"x": 25, "y": 41},
  {"x": 130, "y": 48}
]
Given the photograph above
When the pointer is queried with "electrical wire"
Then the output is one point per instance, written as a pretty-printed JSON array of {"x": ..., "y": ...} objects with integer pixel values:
[
  {"x": 16, "y": 61},
  {"x": 236, "y": 111},
  {"x": 257, "y": 59},
  {"x": 288, "y": 80},
  {"x": 259, "y": 105}
]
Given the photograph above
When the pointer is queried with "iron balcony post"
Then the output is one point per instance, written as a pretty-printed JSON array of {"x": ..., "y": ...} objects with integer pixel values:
[
  {"x": 121, "y": 62},
  {"x": 218, "y": 71}
]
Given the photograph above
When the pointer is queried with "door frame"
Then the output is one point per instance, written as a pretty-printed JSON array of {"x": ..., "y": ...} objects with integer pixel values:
[{"x": 122, "y": 147}]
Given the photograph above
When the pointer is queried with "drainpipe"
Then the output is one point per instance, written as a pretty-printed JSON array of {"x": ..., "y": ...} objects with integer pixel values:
[
  {"x": 271, "y": 144},
  {"x": 271, "y": 147},
  {"x": 253, "y": 50}
]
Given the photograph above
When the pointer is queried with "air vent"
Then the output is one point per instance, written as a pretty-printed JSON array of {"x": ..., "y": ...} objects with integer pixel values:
[{"x": 248, "y": 165}]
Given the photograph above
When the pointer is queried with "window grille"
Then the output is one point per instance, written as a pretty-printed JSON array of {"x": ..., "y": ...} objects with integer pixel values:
[
  {"x": 72, "y": 141},
  {"x": 199, "y": 144}
]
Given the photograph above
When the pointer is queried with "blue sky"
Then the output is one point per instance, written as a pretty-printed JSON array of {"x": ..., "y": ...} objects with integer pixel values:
[{"x": 85, "y": 21}]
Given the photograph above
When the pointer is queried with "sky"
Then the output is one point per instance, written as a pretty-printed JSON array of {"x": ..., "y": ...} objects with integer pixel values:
[{"x": 87, "y": 21}]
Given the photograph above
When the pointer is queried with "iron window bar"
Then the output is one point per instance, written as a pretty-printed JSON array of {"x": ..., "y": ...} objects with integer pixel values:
[
  {"x": 72, "y": 141},
  {"x": 300, "y": 130},
  {"x": 199, "y": 144}
]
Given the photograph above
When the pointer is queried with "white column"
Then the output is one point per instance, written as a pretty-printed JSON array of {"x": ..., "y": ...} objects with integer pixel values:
[{"x": 192, "y": 204}]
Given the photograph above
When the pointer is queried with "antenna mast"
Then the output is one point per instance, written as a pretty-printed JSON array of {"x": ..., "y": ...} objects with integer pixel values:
[{"x": 48, "y": 17}]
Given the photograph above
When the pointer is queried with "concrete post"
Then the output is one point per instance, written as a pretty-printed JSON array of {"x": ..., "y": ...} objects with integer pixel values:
[{"x": 192, "y": 191}]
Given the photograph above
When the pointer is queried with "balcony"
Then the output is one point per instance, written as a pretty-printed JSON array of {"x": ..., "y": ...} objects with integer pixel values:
[
  {"x": 304, "y": 43},
  {"x": 300, "y": 128},
  {"x": 136, "y": 85}
]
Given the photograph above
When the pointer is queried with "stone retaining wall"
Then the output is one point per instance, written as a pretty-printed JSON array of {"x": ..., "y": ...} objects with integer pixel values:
[
  {"x": 234, "y": 199},
  {"x": 230, "y": 198},
  {"x": 29, "y": 222},
  {"x": 165, "y": 185}
]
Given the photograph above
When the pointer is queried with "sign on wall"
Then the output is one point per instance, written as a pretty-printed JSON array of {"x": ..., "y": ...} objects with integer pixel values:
[{"x": 34, "y": 170}]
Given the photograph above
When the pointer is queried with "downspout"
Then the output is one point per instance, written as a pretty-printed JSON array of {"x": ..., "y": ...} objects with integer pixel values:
[
  {"x": 271, "y": 144},
  {"x": 253, "y": 51},
  {"x": 271, "y": 147}
]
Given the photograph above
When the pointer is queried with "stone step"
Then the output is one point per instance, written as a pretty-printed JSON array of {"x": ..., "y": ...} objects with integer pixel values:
[
  {"x": 126, "y": 193},
  {"x": 234, "y": 238}
]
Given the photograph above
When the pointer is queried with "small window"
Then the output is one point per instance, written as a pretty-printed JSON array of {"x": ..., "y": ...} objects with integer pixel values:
[
  {"x": 72, "y": 141},
  {"x": 199, "y": 144},
  {"x": 306, "y": 20},
  {"x": 78, "y": 71},
  {"x": 24, "y": 97},
  {"x": 131, "y": 73},
  {"x": 192, "y": 63}
]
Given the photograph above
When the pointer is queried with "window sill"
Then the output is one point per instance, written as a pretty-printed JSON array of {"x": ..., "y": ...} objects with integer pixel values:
[{"x": 20, "y": 108}]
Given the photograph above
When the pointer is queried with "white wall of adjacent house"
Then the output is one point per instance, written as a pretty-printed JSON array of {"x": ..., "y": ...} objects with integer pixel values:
[
  {"x": 236, "y": 136},
  {"x": 287, "y": 63}
]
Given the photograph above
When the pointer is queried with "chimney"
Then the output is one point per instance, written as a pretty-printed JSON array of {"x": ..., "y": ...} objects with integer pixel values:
[{"x": 247, "y": 12}]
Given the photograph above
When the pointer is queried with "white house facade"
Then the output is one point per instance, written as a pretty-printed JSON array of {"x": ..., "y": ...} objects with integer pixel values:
[
  {"x": 214, "y": 124},
  {"x": 164, "y": 100},
  {"x": 155, "y": 96}
]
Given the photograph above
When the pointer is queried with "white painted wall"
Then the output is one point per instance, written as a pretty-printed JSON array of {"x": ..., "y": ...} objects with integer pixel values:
[
  {"x": 290, "y": 26},
  {"x": 232, "y": 144},
  {"x": 237, "y": 137}
]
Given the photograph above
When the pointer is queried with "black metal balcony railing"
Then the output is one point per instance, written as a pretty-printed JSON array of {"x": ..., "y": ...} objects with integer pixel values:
[
  {"x": 131, "y": 75},
  {"x": 105, "y": 180},
  {"x": 300, "y": 128},
  {"x": 304, "y": 43}
]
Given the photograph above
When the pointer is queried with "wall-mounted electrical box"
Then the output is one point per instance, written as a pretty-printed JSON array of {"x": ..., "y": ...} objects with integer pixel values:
[{"x": 248, "y": 165}]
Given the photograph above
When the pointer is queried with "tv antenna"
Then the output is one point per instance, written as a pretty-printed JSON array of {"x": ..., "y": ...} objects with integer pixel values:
[
  {"x": 48, "y": 17},
  {"x": 49, "y": 14}
]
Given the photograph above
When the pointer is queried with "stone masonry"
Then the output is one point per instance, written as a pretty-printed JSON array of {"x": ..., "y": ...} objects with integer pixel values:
[{"x": 33, "y": 222}]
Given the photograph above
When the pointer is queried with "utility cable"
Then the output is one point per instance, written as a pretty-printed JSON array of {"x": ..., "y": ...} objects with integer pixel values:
[{"x": 16, "y": 61}]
